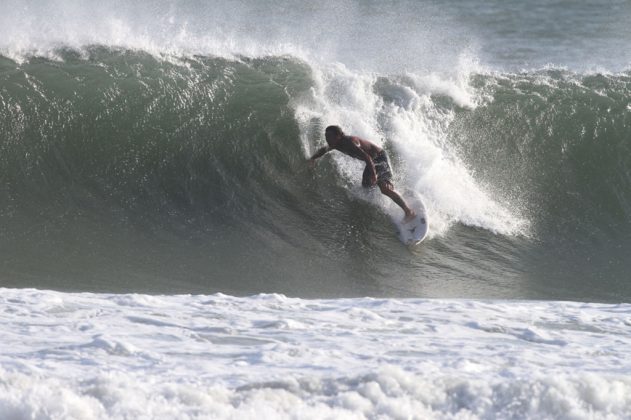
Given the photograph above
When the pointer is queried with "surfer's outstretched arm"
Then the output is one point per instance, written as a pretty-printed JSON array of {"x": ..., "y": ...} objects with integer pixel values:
[{"x": 321, "y": 152}]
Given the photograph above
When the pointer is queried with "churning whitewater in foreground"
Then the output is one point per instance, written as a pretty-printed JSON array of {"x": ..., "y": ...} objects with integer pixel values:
[{"x": 85, "y": 356}]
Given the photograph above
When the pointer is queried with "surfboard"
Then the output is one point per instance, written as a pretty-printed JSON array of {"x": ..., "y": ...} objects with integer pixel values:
[{"x": 414, "y": 231}]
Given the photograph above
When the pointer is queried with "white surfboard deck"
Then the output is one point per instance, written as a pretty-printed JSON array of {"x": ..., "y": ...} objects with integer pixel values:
[{"x": 414, "y": 231}]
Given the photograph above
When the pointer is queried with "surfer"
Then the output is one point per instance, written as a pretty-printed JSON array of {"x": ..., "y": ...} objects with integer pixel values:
[{"x": 377, "y": 168}]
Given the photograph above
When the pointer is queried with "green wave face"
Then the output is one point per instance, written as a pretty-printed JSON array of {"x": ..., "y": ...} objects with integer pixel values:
[
  {"x": 123, "y": 130},
  {"x": 560, "y": 141},
  {"x": 123, "y": 171}
]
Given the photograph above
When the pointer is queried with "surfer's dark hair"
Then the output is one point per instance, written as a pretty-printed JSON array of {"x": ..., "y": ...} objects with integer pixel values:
[{"x": 334, "y": 129}]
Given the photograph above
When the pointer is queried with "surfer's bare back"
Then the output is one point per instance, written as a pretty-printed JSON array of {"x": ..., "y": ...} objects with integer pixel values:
[{"x": 377, "y": 167}]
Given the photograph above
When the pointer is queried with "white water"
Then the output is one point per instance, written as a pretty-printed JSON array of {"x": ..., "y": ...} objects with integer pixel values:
[
  {"x": 401, "y": 112},
  {"x": 85, "y": 356}
]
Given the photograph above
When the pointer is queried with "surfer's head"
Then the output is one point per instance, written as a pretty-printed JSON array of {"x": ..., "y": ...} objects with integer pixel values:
[{"x": 333, "y": 134}]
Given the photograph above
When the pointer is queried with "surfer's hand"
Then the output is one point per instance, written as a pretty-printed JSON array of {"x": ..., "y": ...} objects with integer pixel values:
[
  {"x": 311, "y": 163},
  {"x": 373, "y": 180}
]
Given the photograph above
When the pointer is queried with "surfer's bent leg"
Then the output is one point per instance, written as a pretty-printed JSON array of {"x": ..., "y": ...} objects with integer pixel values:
[
  {"x": 387, "y": 188},
  {"x": 384, "y": 177}
]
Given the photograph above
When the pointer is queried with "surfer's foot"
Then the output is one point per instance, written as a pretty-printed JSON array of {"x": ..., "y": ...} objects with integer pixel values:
[{"x": 409, "y": 215}]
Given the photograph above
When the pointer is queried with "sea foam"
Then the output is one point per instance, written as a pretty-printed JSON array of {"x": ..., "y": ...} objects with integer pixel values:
[
  {"x": 69, "y": 355},
  {"x": 406, "y": 115}
]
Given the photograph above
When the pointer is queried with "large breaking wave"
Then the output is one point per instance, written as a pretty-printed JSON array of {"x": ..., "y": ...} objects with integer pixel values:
[
  {"x": 123, "y": 131},
  {"x": 212, "y": 150}
]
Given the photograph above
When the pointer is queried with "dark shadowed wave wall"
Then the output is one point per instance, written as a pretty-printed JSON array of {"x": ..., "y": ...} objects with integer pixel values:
[{"x": 123, "y": 171}]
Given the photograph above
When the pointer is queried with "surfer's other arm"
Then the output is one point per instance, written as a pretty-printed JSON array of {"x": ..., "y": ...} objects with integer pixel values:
[{"x": 370, "y": 164}]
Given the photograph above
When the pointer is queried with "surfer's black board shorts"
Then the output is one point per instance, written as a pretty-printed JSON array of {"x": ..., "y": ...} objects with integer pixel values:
[{"x": 382, "y": 168}]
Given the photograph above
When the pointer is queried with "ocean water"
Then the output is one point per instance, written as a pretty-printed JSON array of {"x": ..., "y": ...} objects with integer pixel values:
[
  {"x": 269, "y": 356},
  {"x": 167, "y": 252}
]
